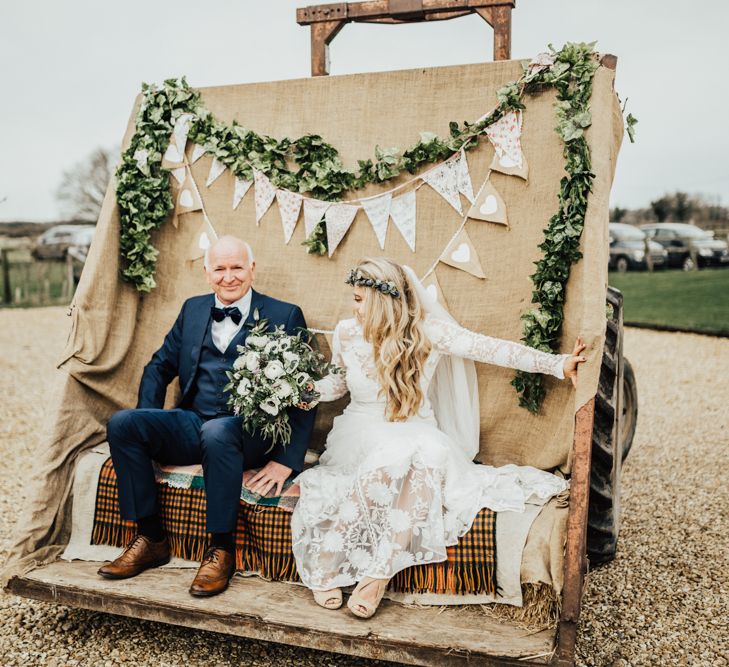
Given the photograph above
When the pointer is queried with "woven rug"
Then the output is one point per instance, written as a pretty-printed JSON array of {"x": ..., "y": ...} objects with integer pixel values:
[{"x": 263, "y": 538}]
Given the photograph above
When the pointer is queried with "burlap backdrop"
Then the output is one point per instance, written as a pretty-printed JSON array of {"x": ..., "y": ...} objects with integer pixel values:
[{"x": 115, "y": 329}]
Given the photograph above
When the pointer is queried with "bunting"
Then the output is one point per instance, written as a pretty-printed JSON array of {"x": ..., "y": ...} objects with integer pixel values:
[
  {"x": 505, "y": 136},
  {"x": 489, "y": 206},
  {"x": 402, "y": 212},
  {"x": 339, "y": 218},
  {"x": 197, "y": 152},
  {"x": 203, "y": 238},
  {"x": 216, "y": 168},
  {"x": 265, "y": 194},
  {"x": 188, "y": 199},
  {"x": 239, "y": 191},
  {"x": 465, "y": 186},
  {"x": 378, "y": 212},
  {"x": 172, "y": 157},
  {"x": 181, "y": 130},
  {"x": 289, "y": 206},
  {"x": 444, "y": 180},
  {"x": 314, "y": 210},
  {"x": 433, "y": 289},
  {"x": 461, "y": 254},
  {"x": 179, "y": 173}
]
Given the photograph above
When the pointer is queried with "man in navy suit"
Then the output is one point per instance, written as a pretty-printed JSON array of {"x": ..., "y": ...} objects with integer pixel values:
[{"x": 198, "y": 350}]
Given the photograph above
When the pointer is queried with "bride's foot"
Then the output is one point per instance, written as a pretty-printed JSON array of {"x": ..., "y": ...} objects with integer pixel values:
[
  {"x": 331, "y": 599},
  {"x": 366, "y": 597}
]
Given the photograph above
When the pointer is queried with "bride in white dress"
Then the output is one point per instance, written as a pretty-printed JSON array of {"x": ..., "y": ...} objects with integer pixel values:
[{"x": 396, "y": 483}]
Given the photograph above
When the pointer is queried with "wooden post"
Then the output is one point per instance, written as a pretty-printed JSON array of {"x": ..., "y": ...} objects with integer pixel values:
[
  {"x": 648, "y": 256},
  {"x": 7, "y": 292},
  {"x": 327, "y": 20}
]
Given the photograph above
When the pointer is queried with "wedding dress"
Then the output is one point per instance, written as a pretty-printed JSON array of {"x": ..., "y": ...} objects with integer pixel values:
[{"x": 389, "y": 495}]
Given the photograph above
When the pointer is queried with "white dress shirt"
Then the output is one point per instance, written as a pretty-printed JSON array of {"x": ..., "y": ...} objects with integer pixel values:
[{"x": 225, "y": 331}]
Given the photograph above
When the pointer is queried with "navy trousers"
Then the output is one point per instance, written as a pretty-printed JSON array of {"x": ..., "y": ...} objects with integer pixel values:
[{"x": 181, "y": 437}]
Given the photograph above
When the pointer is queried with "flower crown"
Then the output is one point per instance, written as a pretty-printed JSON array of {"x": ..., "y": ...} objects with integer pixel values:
[{"x": 356, "y": 278}]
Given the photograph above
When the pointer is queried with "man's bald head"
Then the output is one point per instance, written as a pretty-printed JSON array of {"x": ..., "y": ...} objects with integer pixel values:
[{"x": 229, "y": 268}]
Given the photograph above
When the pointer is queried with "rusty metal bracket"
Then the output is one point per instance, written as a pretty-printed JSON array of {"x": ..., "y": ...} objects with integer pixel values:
[{"x": 327, "y": 20}]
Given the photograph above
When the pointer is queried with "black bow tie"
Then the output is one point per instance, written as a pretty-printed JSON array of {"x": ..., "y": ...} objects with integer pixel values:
[{"x": 219, "y": 314}]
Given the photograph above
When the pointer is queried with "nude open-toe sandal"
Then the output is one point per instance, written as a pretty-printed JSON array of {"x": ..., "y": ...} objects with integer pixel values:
[
  {"x": 331, "y": 599},
  {"x": 364, "y": 608}
]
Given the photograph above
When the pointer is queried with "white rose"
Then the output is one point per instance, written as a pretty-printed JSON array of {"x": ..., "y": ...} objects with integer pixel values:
[
  {"x": 256, "y": 341},
  {"x": 283, "y": 389},
  {"x": 270, "y": 405},
  {"x": 292, "y": 360},
  {"x": 273, "y": 369},
  {"x": 240, "y": 363},
  {"x": 243, "y": 386},
  {"x": 253, "y": 361}
]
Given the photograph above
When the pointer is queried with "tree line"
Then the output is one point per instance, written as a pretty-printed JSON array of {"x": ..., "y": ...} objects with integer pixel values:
[{"x": 705, "y": 212}]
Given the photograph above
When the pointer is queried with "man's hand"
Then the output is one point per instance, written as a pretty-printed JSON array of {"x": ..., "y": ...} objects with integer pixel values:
[
  {"x": 272, "y": 475},
  {"x": 571, "y": 364}
]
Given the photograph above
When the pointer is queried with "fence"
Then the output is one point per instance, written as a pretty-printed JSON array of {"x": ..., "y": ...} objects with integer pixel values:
[{"x": 25, "y": 281}]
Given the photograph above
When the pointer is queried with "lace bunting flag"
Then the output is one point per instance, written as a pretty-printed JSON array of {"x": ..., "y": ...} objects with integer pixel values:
[
  {"x": 240, "y": 190},
  {"x": 289, "y": 206},
  {"x": 465, "y": 186},
  {"x": 444, "y": 180},
  {"x": 505, "y": 136},
  {"x": 314, "y": 209},
  {"x": 216, "y": 168},
  {"x": 489, "y": 206},
  {"x": 181, "y": 130},
  {"x": 265, "y": 194},
  {"x": 197, "y": 152},
  {"x": 378, "y": 212},
  {"x": 402, "y": 212},
  {"x": 339, "y": 218},
  {"x": 461, "y": 254}
]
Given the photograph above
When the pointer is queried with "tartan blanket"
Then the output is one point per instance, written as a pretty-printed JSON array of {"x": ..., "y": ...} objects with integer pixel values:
[{"x": 263, "y": 537}]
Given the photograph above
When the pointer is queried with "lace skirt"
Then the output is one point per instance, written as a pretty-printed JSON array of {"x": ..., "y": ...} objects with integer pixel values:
[{"x": 389, "y": 495}]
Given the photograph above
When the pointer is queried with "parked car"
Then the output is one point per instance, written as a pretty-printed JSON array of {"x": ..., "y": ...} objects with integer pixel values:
[
  {"x": 628, "y": 249},
  {"x": 54, "y": 242},
  {"x": 678, "y": 239}
]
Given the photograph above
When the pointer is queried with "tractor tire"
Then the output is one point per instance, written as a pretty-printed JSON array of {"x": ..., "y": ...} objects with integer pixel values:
[{"x": 612, "y": 437}]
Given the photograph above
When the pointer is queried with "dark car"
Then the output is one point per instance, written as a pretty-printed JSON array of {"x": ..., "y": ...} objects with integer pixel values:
[
  {"x": 685, "y": 242},
  {"x": 628, "y": 248},
  {"x": 55, "y": 242}
]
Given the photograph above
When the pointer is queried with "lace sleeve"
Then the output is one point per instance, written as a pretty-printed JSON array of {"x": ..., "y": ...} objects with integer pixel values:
[
  {"x": 334, "y": 385},
  {"x": 450, "y": 338}
]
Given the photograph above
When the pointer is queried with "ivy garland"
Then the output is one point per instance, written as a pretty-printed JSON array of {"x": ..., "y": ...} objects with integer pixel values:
[{"x": 310, "y": 165}]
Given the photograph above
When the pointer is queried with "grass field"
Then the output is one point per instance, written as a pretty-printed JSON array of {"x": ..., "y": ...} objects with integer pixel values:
[{"x": 694, "y": 300}]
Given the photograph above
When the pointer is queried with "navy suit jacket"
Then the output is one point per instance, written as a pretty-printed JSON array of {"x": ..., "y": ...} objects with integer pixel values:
[{"x": 179, "y": 357}]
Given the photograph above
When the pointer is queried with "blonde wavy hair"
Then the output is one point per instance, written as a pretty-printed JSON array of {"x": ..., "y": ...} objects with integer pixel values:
[{"x": 394, "y": 327}]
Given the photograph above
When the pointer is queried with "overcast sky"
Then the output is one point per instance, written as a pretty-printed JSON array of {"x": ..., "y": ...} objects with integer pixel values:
[{"x": 69, "y": 72}]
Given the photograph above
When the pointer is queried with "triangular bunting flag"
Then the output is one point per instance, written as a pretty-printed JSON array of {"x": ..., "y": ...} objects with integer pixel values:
[
  {"x": 188, "y": 198},
  {"x": 172, "y": 157},
  {"x": 216, "y": 168},
  {"x": 289, "y": 206},
  {"x": 141, "y": 156},
  {"x": 314, "y": 210},
  {"x": 465, "y": 186},
  {"x": 461, "y": 254},
  {"x": 444, "y": 180},
  {"x": 378, "y": 212},
  {"x": 265, "y": 194},
  {"x": 197, "y": 152},
  {"x": 241, "y": 187},
  {"x": 432, "y": 287},
  {"x": 489, "y": 206},
  {"x": 339, "y": 218},
  {"x": 181, "y": 130},
  {"x": 179, "y": 173},
  {"x": 402, "y": 212},
  {"x": 505, "y": 135},
  {"x": 204, "y": 237}
]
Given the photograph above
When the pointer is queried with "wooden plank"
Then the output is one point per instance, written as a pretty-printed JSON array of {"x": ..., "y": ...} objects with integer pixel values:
[{"x": 285, "y": 613}]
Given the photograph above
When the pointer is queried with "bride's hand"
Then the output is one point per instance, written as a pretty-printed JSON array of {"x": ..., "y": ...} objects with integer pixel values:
[{"x": 570, "y": 364}]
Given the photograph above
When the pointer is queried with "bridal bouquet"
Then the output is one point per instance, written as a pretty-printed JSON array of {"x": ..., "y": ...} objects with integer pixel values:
[{"x": 274, "y": 371}]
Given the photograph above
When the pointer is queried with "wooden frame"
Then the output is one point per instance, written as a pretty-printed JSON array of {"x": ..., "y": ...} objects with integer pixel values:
[{"x": 327, "y": 20}]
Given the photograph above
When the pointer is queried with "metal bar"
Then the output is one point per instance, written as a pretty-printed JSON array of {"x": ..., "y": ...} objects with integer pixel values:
[{"x": 322, "y": 34}]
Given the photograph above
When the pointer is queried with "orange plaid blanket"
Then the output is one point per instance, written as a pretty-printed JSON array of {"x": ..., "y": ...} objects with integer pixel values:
[{"x": 263, "y": 540}]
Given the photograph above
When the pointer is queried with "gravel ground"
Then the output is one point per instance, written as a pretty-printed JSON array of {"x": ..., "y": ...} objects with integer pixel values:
[{"x": 663, "y": 601}]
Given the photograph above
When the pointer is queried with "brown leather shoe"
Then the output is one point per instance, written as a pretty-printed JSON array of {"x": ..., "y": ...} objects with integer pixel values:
[
  {"x": 215, "y": 571},
  {"x": 140, "y": 554}
]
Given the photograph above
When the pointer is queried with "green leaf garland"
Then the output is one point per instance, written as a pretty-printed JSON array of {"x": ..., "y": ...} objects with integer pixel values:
[{"x": 312, "y": 166}]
